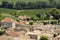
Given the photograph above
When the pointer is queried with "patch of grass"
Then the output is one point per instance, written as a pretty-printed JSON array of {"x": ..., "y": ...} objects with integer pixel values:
[{"x": 31, "y": 13}]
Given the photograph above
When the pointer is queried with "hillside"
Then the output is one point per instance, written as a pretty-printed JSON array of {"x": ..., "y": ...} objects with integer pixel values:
[
  {"x": 31, "y": 13},
  {"x": 43, "y": 9}
]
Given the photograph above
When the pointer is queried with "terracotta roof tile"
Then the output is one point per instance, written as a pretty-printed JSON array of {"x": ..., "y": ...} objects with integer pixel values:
[{"x": 8, "y": 20}]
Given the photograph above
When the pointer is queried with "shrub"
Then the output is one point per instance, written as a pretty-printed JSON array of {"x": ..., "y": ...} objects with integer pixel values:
[
  {"x": 55, "y": 35},
  {"x": 27, "y": 19},
  {"x": 17, "y": 19},
  {"x": 2, "y": 31},
  {"x": 34, "y": 18},
  {"x": 31, "y": 29},
  {"x": 45, "y": 23},
  {"x": 58, "y": 21},
  {"x": 31, "y": 18},
  {"x": 43, "y": 38},
  {"x": 54, "y": 22},
  {"x": 31, "y": 22}
]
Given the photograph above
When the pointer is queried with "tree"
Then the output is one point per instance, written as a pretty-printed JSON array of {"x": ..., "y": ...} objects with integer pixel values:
[
  {"x": 43, "y": 4},
  {"x": 2, "y": 31},
  {"x": 31, "y": 5},
  {"x": 52, "y": 4},
  {"x": 45, "y": 22},
  {"x": 58, "y": 6},
  {"x": 55, "y": 35},
  {"x": 51, "y": 0},
  {"x": 41, "y": 16},
  {"x": 7, "y": 4},
  {"x": 38, "y": 5},
  {"x": 48, "y": 16},
  {"x": 20, "y": 5},
  {"x": 27, "y": 19},
  {"x": 43, "y": 38},
  {"x": 59, "y": 21},
  {"x": 0, "y": 4},
  {"x": 32, "y": 18},
  {"x": 31, "y": 29},
  {"x": 55, "y": 13},
  {"x": 38, "y": 15},
  {"x": 17, "y": 19},
  {"x": 23, "y": 5},
  {"x": 17, "y": 5},
  {"x": 31, "y": 23}
]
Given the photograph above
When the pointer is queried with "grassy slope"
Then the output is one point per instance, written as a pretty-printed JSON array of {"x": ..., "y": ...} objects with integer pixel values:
[
  {"x": 5, "y": 10},
  {"x": 30, "y": 13}
]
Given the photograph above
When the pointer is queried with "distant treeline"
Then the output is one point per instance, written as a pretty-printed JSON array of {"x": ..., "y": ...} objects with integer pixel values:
[{"x": 30, "y": 5}]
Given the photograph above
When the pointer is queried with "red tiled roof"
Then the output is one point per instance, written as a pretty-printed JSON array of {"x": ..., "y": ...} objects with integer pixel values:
[
  {"x": 8, "y": 20},
  {"x": 11, "y": 20}
]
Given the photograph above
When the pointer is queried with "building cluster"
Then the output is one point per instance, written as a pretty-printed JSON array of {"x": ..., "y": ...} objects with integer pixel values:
[{"x": 22, "y": 30}]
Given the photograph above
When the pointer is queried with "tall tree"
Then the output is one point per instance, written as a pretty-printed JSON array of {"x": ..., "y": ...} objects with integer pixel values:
[
  {"x": 38, "y": 15},
  {"x": 7, "y": 4}
]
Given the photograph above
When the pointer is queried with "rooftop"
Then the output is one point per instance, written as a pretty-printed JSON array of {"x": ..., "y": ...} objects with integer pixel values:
[{"x": 8, "y": 20}]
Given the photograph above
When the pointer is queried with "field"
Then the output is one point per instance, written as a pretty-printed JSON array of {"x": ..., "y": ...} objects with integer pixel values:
[
  {"x": 31, "y": 13},
  {"x": 5, "y": 12}
]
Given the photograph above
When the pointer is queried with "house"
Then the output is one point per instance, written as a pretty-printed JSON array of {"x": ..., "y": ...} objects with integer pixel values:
[
  {"x": 19, "y": 25},
  {"x": 34, "y": 35},
  {"x": 37, "y": 34},
  {"x": 57, "y": 30},
  {"x": 8, "y": 23}
]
